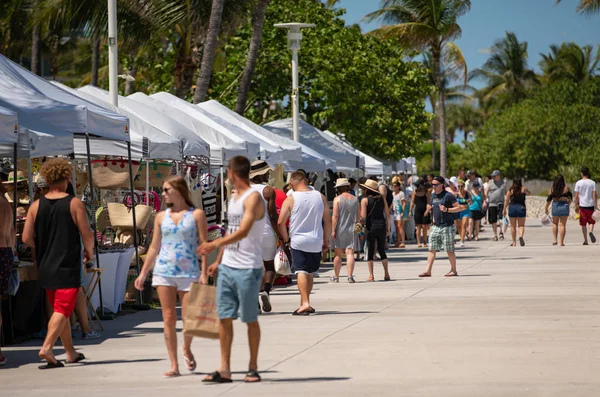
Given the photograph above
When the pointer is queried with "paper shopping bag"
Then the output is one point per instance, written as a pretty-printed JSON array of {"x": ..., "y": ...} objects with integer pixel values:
[{"x": 201, "y": 318}]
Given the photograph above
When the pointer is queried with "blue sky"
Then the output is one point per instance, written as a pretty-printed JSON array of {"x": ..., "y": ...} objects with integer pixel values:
[{"x": 539, "y": 22}]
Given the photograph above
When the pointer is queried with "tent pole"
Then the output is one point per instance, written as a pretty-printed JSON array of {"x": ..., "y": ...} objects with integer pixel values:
[
  {"x": 29, "y": 179},
  {"x": 15, "y": 154},
  {"x": 133, "y": 204},
  {"x": 94, "y": 226},
  {"x": 222, "y": 196},
  {"x": 147, "y": 183}
]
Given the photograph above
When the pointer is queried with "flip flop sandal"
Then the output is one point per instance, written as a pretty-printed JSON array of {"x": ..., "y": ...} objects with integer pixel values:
[
  {"x": 80, "y": 357},
  {"x": 371, "y": 279},
  {"x": 387, "y": 279},
  {"x": 312, "y": 310},
  {"x": 495, "y": 238},
  {"x": 451, "y": 274},
  {"x": 216, "y": 377},
  {"x": 252, "y": 374},
  {"x": 50, "y": 365},
  {"x": 190, "y": 363},
  {"x": 501, "y": 236},
  {"x": 521, "y": 241},
  {"x": 424, "y": 275},
  {"x": 297, "y": 313},
  {"x": 171, "y": 374}
]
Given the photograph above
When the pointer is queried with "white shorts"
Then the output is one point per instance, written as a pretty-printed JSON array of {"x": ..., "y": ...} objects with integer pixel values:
[
  {"x": 269, "y": 247},
  {"x": 181, "y": 283}
]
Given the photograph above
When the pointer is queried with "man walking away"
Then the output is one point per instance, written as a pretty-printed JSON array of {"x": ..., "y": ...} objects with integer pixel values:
[
  {"x": 586, "y": 202},
  {"x": 240, "y": 268},
  {"x": 496, "y": 193},
  {"x": 56, "y": 226},
  {"x": 443, "y": 206},
  {"x": 259, "y": 176},
  {"x": 308, "y": 211}
]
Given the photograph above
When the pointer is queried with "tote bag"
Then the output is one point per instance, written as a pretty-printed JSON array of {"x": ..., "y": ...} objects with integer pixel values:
[{"x": 201, "y": 317}]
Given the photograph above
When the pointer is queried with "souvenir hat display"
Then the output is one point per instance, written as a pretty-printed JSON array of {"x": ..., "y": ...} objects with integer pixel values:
[
  {"x": 21, "y": 181},
  {"x": 113, "y": 174},
  {"x": 157, "y": 173}
]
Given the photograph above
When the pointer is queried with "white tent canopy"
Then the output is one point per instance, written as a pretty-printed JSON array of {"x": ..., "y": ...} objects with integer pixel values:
[
  {"x": 331, "y": 137},
  {"x": 290, "y": 150},
  {"x": 311, "y": 162},
  {"x": 372, "y": 165},
  {"x": 314, "y": 139},
  {"x": 147, "y": 141},
  {"x": 223, "y": 146},
  {"x": 272, "y": 154},
  {"x": 44, "y": 107},
  {"x": 193, "y": 145},
  {"x": 9, "y": 125}
]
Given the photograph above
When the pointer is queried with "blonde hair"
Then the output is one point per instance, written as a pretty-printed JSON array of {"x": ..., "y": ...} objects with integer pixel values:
[
  {"x": 56, "y": 170},
  {"x": 179, "y": 184}
]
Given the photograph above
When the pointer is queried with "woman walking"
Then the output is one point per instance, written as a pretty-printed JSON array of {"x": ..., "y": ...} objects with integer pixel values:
[
  {"x": 476, "y": 209},
  {"x": 374, "y": 213},
  {"x": 464, "y": 200},
  {"x": 178, "y": 231},
  {"x": 561, "y": 197},
  {"x": 419, "y": 203},
  {"x": 514, "y": 204},
  {"x": 398, "y": 214},
  {"x": 346, "y": 212}
]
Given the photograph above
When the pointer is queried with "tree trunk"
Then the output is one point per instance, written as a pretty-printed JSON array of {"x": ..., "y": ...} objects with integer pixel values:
[
  {"x": 95, "y": 59},
  {"x": 258, "y": 21},
  {"x": 433, "y": 133},
  {"x": 441, "y": 111},
  {"x": 130, "y": 84},
  {"x": 185, "y": 68},
  {"x": 35, "y": 48},
  {"x": 210, "y": 48}
]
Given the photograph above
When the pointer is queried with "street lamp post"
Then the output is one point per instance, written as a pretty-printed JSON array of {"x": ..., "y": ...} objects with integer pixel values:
[
  {"x": 113, "y": 57},
  {"x": 294, "y": 39}
]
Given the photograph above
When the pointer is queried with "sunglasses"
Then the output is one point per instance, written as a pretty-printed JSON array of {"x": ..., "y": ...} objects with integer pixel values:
[
  {"x": 167, "y": 190},
  {"x": 461, "y": 185},
  {"x": 436, "y": 184}
]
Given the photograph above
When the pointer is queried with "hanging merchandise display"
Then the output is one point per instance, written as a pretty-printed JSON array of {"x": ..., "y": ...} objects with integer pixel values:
[
  {"x": 112, "y": 174},
  {"x": 209, "y": 198},
  {"x": 158, "y": 172}
]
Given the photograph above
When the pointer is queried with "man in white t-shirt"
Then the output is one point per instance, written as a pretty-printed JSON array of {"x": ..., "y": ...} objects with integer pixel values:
[
  {"x": 586, "y": 202},
  {"x": 240, "y": 268},
  {"x": 310, "y": 229}
]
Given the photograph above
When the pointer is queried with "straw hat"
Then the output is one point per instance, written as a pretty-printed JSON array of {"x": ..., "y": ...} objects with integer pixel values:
[
  {"x": 11, "y": 177},
  {"x": 259, "y": 167},
  {"x": 21, "y": 196},
  {"x": 341, "y": 182},
  {"x": 371, "y": 185}
]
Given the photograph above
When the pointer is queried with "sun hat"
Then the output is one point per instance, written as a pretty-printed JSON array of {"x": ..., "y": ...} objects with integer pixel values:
[
  {"x": 371, "y": 185},
  {"x": 453, "y": 181},
  {"x": 11, "y": 178},
  {"x": 259, "y": 167},
  {"x": 341, "y": 182}
]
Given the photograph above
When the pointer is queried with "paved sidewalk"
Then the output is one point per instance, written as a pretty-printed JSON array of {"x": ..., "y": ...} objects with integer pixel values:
[{"x": 517, "y": 322}]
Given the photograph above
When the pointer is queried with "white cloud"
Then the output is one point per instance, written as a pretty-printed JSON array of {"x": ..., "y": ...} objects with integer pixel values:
[{"x": 485, "y": 51}]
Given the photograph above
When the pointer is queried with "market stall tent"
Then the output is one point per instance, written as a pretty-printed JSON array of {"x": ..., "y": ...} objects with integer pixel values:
[
  {"x": 272, "y": 154},
  {"x": 314, "y": 139},
  {"x": 193, "y": 145},
  {"x": 9, "y": 126},
  {"x": 290, "y": 150},
  {"x": 147, "y": 141}
]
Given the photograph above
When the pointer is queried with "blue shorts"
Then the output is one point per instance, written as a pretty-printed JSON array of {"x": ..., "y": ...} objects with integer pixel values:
[
  {"x": 306, "y": 262},
  {"x": 517, "y": 211},
  {"x": 560, "y": 208},
  {"x": 237, "y": 290},
  {"x": 464, "y": 214}
]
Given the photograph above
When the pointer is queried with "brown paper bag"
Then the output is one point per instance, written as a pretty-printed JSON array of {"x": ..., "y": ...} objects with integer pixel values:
[{"x": 201, "y": 318}]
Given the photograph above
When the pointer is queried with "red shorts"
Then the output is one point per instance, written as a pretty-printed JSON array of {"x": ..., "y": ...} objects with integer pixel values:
[
  {"x": 63, "y": 300},
  {"x": 585, "y": 216}
]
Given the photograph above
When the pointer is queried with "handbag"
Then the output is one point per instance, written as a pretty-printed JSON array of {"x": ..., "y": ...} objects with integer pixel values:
[
  {"x": 112, "y": 174},
  {"x": 157, "y": 173},
  {"x": 120, "y": 215},
  {"x": 359, "y": 227},
  {"x": 201, "y": 318},
  {"x": 282, "y": 263}
]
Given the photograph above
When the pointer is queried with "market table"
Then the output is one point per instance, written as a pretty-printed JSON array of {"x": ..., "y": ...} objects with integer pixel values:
[{"x": 115, "y": 267}]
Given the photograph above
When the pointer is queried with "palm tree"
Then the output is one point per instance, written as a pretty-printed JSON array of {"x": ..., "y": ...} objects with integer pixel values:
[
  {"x": 464, "y": 117},
  {"x": 428, "y": 24},
  {"x": 258, "y": 21},
  {"x": 210, "y": 49},
  {"x": 571, "y": 62},
  {"x": 506, "y": 71},
  {"x": 587, "y": 7}
]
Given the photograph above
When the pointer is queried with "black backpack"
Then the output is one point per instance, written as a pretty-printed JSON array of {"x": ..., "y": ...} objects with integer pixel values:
[{"x": 389, "y": 197}]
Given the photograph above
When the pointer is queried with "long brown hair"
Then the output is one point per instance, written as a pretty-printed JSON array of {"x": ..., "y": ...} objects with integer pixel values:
[{"x": 179, "y": 184}]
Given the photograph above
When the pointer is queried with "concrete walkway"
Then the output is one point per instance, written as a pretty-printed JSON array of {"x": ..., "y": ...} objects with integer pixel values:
[{"x": 517, "y": 322}]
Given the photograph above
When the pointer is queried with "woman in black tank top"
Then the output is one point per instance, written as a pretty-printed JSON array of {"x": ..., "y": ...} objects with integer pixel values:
[{"x": 375, "y": 215}]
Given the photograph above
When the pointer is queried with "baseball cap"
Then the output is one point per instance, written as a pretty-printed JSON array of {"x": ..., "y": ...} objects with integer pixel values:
[
  {"x": 495, "y": 173},
  {"x": 440, "y": 179},
  {"x": 476, "y": 184}
]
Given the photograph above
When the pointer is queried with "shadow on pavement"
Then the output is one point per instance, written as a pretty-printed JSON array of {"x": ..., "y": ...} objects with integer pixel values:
[{"x": 314, "y": 379}]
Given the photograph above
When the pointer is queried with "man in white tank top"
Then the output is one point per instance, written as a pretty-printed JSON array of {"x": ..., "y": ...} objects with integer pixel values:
[
  {"x": 259, "y": 177},
  {"x": 240, "y": 269},
  {"x": 310, "y": 229}
]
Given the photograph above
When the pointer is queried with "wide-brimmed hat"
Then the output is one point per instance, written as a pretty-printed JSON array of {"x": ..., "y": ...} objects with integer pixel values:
[
  {"x": 341, "y": 182},
  {"x": 259, "y": 167},
  {"x": 21, "y": 197},
  {"x": 371, "y": 185},
  {"x": 11, "y": 177}
]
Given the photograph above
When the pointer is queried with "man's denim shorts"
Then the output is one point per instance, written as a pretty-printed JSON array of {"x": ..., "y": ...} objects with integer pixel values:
[{"x": 237, "y": 290}]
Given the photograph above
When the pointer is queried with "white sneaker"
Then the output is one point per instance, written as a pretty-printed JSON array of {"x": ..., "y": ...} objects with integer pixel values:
[
  {"x": 316, "y": 275},
  {"x": 462, "y": 244},
  {"x": 90, "y": 335},
  {"x": 266, "y": 302}
]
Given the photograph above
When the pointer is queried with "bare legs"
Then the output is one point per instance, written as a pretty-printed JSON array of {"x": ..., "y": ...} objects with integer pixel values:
[
  {"x": 58, "y": 326},
  {"x": 305, "y": 286},
  {"x": 168, "y": 301},
  {"x": 559, "y": 223},
  {"x": 349, "y": 262},
  {"x": 337, "y": 262},
  {"x": 513, "y": 230},
  {"x": 521, "y": 224},
  {"x": 431, "y": 260},
  {"x": 400, "y": 236},
  {"x": 226, "y": 340},
  {"x": 476, "y": 229},
  {"x": 463, "y": 228}
]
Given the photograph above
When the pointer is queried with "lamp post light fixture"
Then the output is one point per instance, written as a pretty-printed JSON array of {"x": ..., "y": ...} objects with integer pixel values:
[{"x": 294, "y": 39}]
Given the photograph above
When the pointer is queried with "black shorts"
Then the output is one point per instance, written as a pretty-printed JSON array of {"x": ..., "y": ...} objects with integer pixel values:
[
  {"x": 476, "y": 215},
  {"x": 495, "y": 213},
  {"x": 6, "y": 266},
  {"x": 306, "y": 262}
]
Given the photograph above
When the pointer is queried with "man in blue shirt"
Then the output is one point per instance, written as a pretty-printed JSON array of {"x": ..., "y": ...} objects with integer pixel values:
[{"x": 443, "y": 207}]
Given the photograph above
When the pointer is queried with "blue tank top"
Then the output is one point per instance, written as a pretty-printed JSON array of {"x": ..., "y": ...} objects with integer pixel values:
[
  {"x": 177, "y": 257},
  {"x": 477, "y": 202}
]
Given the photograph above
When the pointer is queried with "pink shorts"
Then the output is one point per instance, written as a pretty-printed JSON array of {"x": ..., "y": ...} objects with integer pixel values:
[
  {"x": 586, "y": 216},
  {"x": 63, "y": 300}
]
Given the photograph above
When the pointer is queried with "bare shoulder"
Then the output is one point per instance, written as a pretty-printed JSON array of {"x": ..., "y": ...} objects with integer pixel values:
[
  {"x": 160, "y": 216},
  {"x": 198, "y": 214}
]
